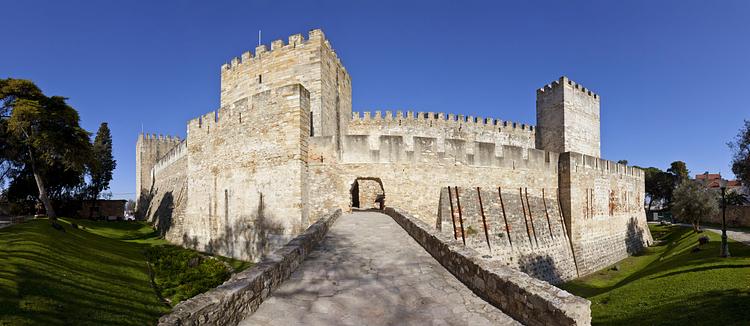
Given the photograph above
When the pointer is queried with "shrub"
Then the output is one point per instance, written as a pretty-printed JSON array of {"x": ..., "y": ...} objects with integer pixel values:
[{"x": 180, "y": 274}]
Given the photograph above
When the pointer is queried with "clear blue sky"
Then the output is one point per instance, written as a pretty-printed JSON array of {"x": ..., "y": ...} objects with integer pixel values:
[{"x": 673, "y": 76}]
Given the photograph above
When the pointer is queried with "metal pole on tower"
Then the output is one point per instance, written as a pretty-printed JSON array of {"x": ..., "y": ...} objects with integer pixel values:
[{"x": 258, "y": 37}]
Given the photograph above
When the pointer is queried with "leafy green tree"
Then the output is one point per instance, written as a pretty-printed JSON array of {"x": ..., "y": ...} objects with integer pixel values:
[
  {"x": 736, "y": 199},
  {"x": 623, "y": 162},
  {"x": 741, "y": 154},
  {"x": 102, "y": 163},
  {"x": 61, "y": 183},
  {"x": 680, "y": 171},
  {"x": 692, "y": 201},
  {"x": 40, "y": 132},
  {"x": 659, "y": 186}
]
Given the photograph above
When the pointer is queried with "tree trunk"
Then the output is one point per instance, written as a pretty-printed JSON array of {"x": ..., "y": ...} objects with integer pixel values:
[
  {"x": 42, "y": 190},
  {"x": 40, "y": 183},
  {"x": 43, "y": 195}
]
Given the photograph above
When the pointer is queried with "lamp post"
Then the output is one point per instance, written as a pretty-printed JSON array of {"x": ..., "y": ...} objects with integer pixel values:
[{"x": 724, "y": 243}]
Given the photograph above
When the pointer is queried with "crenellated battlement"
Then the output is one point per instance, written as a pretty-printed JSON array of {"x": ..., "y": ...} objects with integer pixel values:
[
  {"x": 158, "y": 137},
  {"x": 582, "y": 161},
  {"x": 170, "y": 157},
  {"x": 279, "y": 47},
  {"x": 563, "y": 81},
  {"x": 437, "y": 118},
  {"x": 442, "y": 151}
]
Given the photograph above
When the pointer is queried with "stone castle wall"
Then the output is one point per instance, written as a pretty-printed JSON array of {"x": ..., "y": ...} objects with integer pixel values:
[
  {"x": 246, "y": 175},
  {"x": 412, "y": 176},
  {"x": 167, "y": 199},
  {"x": 442, "y": 126},
  {"x": 284, "y": 148},
  {"x": 150, "y": 148},
  {"x": 736, "y": 216},
  {"x": 603, "y": 204},
  {"x": 518, "y": 227}
]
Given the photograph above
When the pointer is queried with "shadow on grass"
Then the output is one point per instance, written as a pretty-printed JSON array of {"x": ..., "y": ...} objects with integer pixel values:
[
  {"x": 674, "y": 252},
  {"x": 727, "y": 307},
  {"x": 702, "y": 269},
  {"x": 74, "y": 277},
  {"x": 672, "y": 285}
]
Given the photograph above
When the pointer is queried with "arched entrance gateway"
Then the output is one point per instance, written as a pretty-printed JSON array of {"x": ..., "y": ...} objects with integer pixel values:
[{"x": 367, "y": 193}]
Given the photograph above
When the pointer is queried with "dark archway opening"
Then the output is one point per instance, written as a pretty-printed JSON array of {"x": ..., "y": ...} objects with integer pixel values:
[{"x": 367, "y": 193}]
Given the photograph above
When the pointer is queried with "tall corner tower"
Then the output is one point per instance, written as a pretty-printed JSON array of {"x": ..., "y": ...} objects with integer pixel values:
[
  {"x": 567, "y": 118},
  {"x": 149, "y": 148},
  {"x": 311, "y": 62}
]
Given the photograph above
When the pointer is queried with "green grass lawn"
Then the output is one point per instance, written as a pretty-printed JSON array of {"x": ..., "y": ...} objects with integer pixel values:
[
  {"x": 670, "y": 285},
  {"x": 95, "y": 275}
]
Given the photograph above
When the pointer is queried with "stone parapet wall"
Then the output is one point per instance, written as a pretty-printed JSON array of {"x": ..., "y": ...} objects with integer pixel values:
[
  {"x": 526, "y": 299},
  {"x": 416, "y": 186},
  {"x": 737, "y": 216},
  {"x": 176, "y": 153},
  {"x": 416, "y": 150},
  {"x": 602, "y": 202},
  {"x": 242, "y": 294}
]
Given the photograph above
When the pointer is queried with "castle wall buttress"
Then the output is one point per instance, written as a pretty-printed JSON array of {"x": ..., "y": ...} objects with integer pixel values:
[{"x": 247, "y": 174}]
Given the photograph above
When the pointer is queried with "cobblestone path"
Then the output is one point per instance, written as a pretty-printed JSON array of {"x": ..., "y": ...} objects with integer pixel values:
[{"x": 369, "y": 271}]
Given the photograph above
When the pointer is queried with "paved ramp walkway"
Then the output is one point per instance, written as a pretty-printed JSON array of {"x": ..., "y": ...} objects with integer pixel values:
[{"x": 369, "y": 271}]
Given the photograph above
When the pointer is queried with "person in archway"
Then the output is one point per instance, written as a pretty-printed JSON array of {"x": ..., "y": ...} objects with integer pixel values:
[{"x": 380, "y": 199}]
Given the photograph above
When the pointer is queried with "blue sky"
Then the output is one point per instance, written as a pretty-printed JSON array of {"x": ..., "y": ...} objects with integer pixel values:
[{"x": 672, "y": 74}]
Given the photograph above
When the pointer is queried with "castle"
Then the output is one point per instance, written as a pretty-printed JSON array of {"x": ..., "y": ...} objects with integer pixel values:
[{"x": 285, "y": 147}]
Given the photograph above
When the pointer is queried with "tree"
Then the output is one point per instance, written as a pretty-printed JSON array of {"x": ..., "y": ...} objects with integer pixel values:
[
  {"x": 741, "y": 154},
  {"x": 623, "y": 162},
  {"x": 61, "y": 183},
  {"x": 102, "y": 163},
  {"x": 680, "y": 171},
  {"x": 736, "y": 199},
  {"x": 39, "y": 132},
  {"x": 692, "y": 201},
  {"x": 659, "y": 186}
]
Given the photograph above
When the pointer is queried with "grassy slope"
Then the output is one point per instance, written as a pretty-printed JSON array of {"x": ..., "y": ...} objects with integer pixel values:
[
  {"x": 670, "y": 285},
  {"x": 75, "y": 277}
]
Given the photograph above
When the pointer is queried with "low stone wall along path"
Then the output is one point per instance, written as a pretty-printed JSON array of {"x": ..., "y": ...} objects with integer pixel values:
[{"x": 369, "y": 271}]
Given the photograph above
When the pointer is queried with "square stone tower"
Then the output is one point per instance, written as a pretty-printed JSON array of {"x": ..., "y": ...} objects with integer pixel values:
[
  {"x": 311, "y": 62},
  {"x": 567, "y": 118}
]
